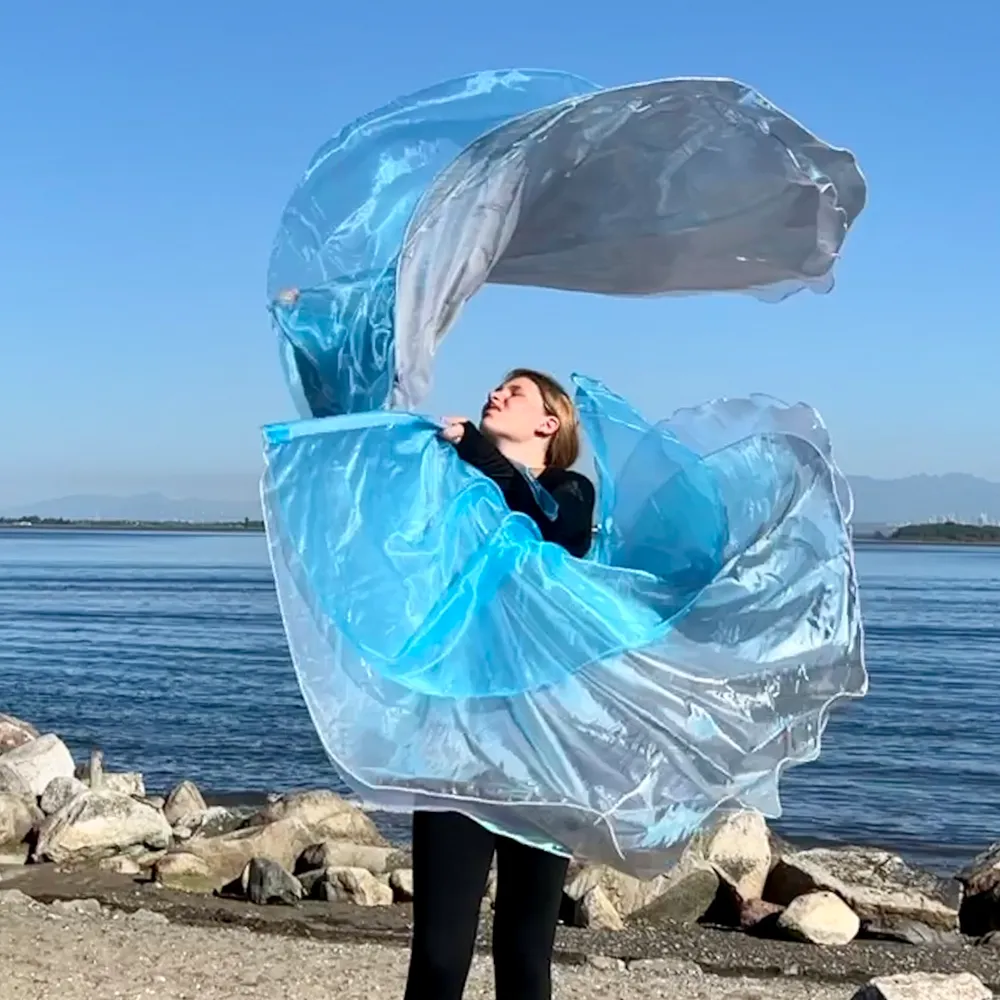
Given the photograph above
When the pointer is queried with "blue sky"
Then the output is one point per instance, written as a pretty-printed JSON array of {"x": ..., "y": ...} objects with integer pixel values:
[{"x": 148, "y": 149}]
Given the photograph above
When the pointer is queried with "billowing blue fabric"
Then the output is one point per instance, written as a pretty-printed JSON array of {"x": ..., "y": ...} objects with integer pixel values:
[
  {"x": 601, "y": 707},
  {"x": 540, "y": 178}
]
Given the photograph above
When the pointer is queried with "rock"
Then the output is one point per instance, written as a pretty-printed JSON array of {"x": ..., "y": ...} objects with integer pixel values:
[
  {"x": 909, "y": 932},
  {"x": 98, "y": 824},
  {"x": 925, "y": 986},
  {"x": 738, "y": 846},
  {"x": 126, "y": 782},
  {"x": 401, "y": 883},
  {"x": 340, "y": 854},
  {"x": 186, "y": 873},
  {"x": 667, "y": 967},
  {"x": 311, "y": 882},
  {"x": 76, "y": 907},
  {"x": 120, "y": 865},
  {"x": 60, "y": 792},
  {"x": 355, "y": 885},
  {"x": 14, "y": 899},
  {"x": 326, "y": 813},
  {"x": 758, "y": 915},
  {"x": 265, "y": 881},
  {"x": 227, "y": 855},
  {"x": 17, "y": 819},
  {"x": 13, "y": 784},
  {"x": 605, "y": 963},
  {"x": 596, "y": 911},
  {"x": 820, "y": 918},
  {"x": 147, "y": 917},
  {"x": 15, "y": 732},
  {"x": 687, "y": 897},
  {"x": 875, "y": 884},
  {"x": 980, "y": 880},
  {"x": 38, "y": 761},
  {"x": 156, "y": 801},
  {"x": 184, "y": 801}
]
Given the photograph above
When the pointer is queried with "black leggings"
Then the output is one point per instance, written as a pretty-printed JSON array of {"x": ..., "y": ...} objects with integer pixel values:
[{"x": 451, "y": 863}]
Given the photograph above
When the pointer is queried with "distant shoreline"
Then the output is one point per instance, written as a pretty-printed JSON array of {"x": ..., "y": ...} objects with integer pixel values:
[{"x": 190, "y": 527}]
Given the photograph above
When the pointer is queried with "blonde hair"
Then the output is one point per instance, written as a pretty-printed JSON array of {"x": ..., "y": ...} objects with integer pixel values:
[{"x": 564, "y": 446}]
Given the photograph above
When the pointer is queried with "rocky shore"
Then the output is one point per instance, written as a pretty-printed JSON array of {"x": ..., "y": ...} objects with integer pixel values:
[{"x": 81, "y": 841}]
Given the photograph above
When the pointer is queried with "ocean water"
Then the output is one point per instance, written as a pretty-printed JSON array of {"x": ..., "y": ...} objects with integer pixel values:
[{"x": 167, "y": 651}]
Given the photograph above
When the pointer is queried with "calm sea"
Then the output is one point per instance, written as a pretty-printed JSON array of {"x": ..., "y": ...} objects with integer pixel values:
[{"x": 167, "y": 650}]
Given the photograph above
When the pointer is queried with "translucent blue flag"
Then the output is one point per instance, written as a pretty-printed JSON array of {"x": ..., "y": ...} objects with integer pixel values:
[
  {"x": 450, "y": 658},
  {"x": 601, "y": 707},
  {"x": 539, "y": 178}
]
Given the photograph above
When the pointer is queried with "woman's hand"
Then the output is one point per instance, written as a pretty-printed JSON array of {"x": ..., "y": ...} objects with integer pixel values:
[
  {"x": 288, "y": 297},
  {"x": 453, "y": 429}
]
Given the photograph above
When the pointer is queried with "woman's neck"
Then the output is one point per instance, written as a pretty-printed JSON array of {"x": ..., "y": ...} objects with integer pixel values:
[{"x": 530, "y": 454}]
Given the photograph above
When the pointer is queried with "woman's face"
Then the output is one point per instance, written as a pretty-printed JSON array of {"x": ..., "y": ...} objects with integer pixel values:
[{"x": 515, "y": 412}]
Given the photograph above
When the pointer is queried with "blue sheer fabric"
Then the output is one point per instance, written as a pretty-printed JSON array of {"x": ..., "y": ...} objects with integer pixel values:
[
  {"x": 540, "y": 178},
  {"x": 601, "y": 707}
]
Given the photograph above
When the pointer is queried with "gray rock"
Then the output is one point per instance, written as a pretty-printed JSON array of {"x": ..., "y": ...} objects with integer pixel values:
[
  {"x": 265, "y": 881},
  {"x": 76, "y": 907},
  {"x": 685, "y": 899},
  {"x": 15, "y": 732},
  {"x": 99, "y": 824},
  {"x": 14, "y": 899},
  {"x": 401, "y": 883},
  {"x": 666, "y": 967},
  {"x": 925, "y": 986},
  {"x": 605, "y": 963},
  {"x": 13, "y": 784},
  {"x": 120, "y": 865},
  {"x": 39, "y": 761},
  {"x": 340, "y": 854},
  {"x": 147, "y": 917},
  {"x": 596, "y": 911},
  {"x": 980, "y": 880},
  {"x": 355, "y": 885},
  {"x": 820, "y": 918},
  {"x": 737, "y": 844},
  {"x": 875, "y": 884},
  {"x": 18, "y": 817},
  {"x": 60, "y": 792},
  {"x": 327, "y": 814},
  {"x": 184, "y": 802},
  {"x": 913, "y": 932}
]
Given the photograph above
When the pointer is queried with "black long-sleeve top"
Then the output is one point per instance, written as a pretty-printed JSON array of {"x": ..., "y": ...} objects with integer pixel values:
[{"x": 572, "y": 528}]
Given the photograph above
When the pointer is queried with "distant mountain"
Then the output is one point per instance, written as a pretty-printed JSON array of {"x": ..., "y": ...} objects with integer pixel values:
[
  {"x": 916, "y": 499},
  {"x": 143, "y": 507},
  {"x": 877, "y": 502}
]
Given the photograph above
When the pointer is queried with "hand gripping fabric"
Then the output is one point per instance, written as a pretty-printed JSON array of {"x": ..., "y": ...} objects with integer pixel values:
[{"x": 451, "y": 659}]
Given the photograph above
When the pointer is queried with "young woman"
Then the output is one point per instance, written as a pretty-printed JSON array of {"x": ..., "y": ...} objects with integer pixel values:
[{"x": 529, "y": 421}]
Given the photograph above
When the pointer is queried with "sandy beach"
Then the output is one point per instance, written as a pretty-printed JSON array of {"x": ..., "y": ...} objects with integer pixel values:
[{"x": 80, "y": 952}]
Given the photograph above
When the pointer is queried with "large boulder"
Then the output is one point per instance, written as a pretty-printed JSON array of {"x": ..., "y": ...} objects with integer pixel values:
[
  {"x": 59, "y": 792},
  {"x": 15, "y": 732},
  {"x": 354, "y": 885},
  {"x": 185, "y": 872},
  {"x": 877, "y": 885},
  {"x": 980, "y": 880},
  {"x": 264, "y": 881},
  {"x": 96, "y": 825},
  {"x": 329, "y": 815},
  {"x": 38, "y": 761},
  {"x": 682, "y": 895},
  {"x": 738, "y": 846},
  {"x": 925, "y": 986},
  {"x": 185, "y": 805},
  {"x": 223, "y": 858},
  {"x": 18, "y": 817},
  {"x": 820, "y": 918},
  {"x": 341, "y": 854}
]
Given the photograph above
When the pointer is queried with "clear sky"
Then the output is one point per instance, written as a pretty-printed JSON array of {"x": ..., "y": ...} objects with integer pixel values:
[{"x": 147, "y": 150}]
